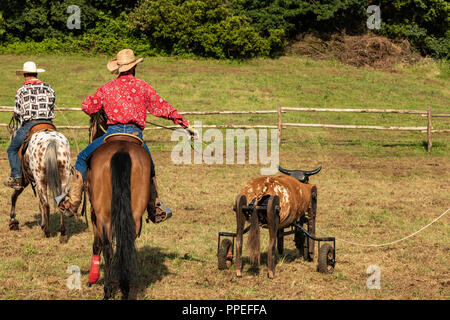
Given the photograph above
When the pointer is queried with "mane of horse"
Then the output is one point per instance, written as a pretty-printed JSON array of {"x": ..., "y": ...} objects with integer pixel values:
[{"x": 97, "y": 125}]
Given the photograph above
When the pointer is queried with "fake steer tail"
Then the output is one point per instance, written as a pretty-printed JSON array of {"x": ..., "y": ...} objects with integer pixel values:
[
  {"x": 254, "y": 238},
  {"x": 124, "y": 262}
]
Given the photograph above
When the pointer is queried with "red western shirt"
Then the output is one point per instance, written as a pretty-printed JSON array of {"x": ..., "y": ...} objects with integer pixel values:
[{"x": 126, "y": 100}]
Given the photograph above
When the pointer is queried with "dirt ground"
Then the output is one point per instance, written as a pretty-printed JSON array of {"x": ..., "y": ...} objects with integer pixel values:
[{"x": 360, "y": 199}]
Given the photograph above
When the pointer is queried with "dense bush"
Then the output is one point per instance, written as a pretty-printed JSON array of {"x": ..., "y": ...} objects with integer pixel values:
[
  {"x": 213, "y": 28},
  {"x": 204, "y": 28},
  {"x": 425, "y": 23}
]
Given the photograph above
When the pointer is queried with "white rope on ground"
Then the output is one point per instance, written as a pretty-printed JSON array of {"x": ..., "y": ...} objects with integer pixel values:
[{"x": 396, "y": 241}]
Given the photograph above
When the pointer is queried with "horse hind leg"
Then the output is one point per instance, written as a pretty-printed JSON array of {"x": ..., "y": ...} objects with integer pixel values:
[
  {"x": 94, "y": 272},
  {"x": 45, "y": 211},
  {"x": 108, "y": 256},
  {"x": 13, "y": 222},
  {"x": 64, "y": 181},
  {"x": 63, "y": 236}
]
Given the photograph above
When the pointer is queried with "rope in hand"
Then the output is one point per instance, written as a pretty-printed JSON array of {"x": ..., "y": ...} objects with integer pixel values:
[
  {"x": 174, "y": 129},
  {"x": 396, "y": 241}
]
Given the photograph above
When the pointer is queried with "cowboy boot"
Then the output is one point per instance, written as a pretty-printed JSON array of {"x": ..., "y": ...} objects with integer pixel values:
[
  {"x": 157, "y": 211},
  {"x": 71, "y": 204},
  {"x": 16, "y": 184}
]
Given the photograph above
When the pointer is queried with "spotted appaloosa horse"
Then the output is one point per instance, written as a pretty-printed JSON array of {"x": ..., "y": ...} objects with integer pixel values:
[{"x": 47, "y": 164}]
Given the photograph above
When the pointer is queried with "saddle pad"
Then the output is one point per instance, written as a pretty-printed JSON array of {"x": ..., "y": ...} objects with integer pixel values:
[
  {"x": 125, "y": 137},
  {"x": 40, "y": 127}
]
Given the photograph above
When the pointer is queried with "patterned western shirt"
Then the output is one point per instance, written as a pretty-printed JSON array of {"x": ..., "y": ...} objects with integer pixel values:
[
  {"x": 35, "y": 100},
  {"x": 126, "y": 100}
]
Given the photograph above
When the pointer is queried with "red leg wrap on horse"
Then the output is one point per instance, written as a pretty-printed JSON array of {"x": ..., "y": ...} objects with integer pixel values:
[{"x": 94, "y": 273}]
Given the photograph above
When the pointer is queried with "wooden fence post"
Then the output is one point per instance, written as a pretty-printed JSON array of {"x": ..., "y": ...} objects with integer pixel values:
[
  {"x": 429, "y": 128},
  {"x": 279, "y": 125}
]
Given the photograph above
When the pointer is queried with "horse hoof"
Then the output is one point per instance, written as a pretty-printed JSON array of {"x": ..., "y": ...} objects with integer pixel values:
[
  {"x": 13, "y": 225},
  {"x": 63, "y": 239}
]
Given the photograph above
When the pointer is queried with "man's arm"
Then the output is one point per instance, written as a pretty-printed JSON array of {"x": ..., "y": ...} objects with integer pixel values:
[
  {"x": 18, "y": 105},
  {"x": 52, "y": 105},
  {"x": 93, "y": 103},
  {"x": 160, "y": 108}
]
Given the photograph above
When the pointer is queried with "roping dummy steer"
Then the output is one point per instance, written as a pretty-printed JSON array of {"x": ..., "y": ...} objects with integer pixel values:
[{"x": 277, "y": 202}]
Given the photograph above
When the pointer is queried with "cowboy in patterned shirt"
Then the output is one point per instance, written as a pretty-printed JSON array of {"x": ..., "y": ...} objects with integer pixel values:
[
  {"x": 125, "y": 100},
  {"x": 35, "y": 101}
]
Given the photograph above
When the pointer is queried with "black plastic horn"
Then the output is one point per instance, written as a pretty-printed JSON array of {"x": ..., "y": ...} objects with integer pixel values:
[
  {"x": 300, "y": 175},
  {"x": 310, "y": 173}
]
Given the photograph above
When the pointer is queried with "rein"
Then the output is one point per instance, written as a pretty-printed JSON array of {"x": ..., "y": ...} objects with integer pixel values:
[{"x": 13, "y": 125}]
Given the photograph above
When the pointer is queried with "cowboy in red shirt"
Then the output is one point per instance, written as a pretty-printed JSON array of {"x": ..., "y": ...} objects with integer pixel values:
[{"x": 125, "y": 100}]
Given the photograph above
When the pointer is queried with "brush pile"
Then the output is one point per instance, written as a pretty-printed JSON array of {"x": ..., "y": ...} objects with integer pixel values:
[{"x": 370, "y": 51}]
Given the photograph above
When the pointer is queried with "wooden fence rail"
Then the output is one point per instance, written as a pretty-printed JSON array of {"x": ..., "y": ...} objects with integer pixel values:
[
  {"x": 10, "y": 109},
  {"x": 424, "y": 113},
  {"x": 280, "y": 125}
]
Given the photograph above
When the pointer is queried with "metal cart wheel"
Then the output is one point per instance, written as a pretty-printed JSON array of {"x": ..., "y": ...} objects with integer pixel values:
[
  {"x": 225, "y": 255},
  {"x": 325, "y": 263}
]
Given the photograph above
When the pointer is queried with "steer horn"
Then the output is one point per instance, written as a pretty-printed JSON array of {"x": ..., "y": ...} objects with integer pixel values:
[
  {"x": 310, "y": 173},
  {"x": 300, "y": 175}
]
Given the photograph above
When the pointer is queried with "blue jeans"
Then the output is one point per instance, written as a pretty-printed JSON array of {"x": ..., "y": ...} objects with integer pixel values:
[
  {"x": 81, "y": 163},
  {"x": 13, "y": 149}
]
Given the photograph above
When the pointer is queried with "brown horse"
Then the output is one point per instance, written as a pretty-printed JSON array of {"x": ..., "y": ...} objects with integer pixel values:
[{"x": 119, "y": 190}]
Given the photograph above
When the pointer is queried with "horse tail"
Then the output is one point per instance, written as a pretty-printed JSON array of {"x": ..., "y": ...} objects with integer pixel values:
[
  {"x": 51, "y": 168},
  {"x": 124, "y": 261},
  {"x": 253, "y": 241}
]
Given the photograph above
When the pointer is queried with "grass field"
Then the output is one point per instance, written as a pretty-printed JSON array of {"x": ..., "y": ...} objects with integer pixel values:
[{"x": 375, "y": 186}]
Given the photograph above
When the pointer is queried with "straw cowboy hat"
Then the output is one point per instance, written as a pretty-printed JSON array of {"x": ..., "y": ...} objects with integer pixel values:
[
  {"x": 29, "y": 67},
  {"x": 124, "y": 61}
]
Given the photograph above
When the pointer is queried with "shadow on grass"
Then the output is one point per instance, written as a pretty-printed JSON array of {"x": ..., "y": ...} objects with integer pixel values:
[
  {"x": 288, "y": 256},
  {"x": 418, "y": 145},
  {"x": 152, "y": 268},
  {"x": 72, "y": 226},
  {"x": 393, "y": 144}
]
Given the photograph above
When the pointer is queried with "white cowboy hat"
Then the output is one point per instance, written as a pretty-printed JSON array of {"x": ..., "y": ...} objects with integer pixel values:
[
  {"x": 29, "y": 67},
  {"x": 124, "y": 61}
]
